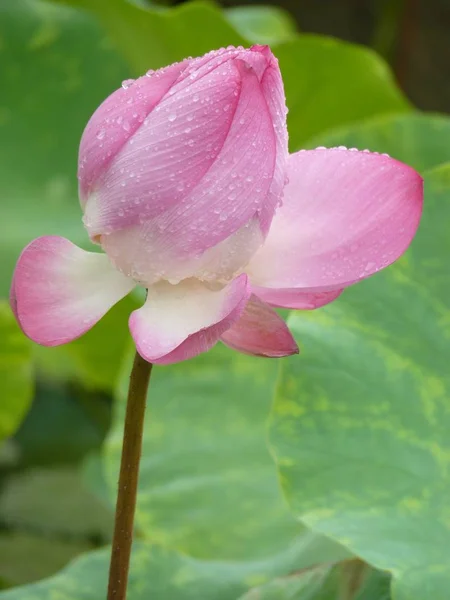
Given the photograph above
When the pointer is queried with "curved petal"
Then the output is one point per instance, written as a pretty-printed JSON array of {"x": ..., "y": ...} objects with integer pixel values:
[
  {"x": 227, "y": 200},
  {"x": 273, "y": 90},
  {"x": 60, "y": 291},
  {"x": 176, "y": 87},
  {"x": 178, "y": 322},
  {"x": 295, "y": 298},
  {"x": 260, "y": 332},
  {"x": 209, "y": 144},
  {"x": 236, "y": 186},
  {"x": 346, "y": 215},
  {"x": 116, "y": 120},
  {"x": 169, "y": 154}
]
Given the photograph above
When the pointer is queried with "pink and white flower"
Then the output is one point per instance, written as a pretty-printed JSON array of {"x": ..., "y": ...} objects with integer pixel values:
[{"x": 186, "y": 184}]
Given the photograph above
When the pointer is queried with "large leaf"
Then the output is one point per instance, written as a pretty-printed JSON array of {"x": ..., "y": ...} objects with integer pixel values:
[
  {"x": 64, "y": 424},
  {"x": 328, "y": 82},
  {"x": 56, "y": 68},
  {"x": 418, "y": 139},
  {"x": 48, "y": 517},
  {"x": 16, "y": 374},
  {"x": 262, "y": 24},
  {"x": 207, "y": 483},
  {"x": 27, "y": 557},
  {"x": 360, "y": 424},
  {"x": 349, "y": 580},
  {"x": 55, "y": 503},
  {"x": 153, "y": 38},
  {"x": 157, "y": 574}
]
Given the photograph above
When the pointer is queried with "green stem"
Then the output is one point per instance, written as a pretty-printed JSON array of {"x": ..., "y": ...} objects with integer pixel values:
[{"x": 128, "y": 479}]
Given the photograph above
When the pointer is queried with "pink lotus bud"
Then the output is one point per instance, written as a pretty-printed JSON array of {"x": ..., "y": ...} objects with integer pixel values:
[
  {"x": 181, "y": 170},
  {"x": 181, "y": 174}
]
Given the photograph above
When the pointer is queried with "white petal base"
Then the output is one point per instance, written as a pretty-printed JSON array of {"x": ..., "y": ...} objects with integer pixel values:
[{"x": 180, "y": 321}]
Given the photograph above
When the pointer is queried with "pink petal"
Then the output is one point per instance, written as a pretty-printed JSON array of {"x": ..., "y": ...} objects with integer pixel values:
[
  {"x": 273, "y": 90},
  {"x": 60, "y": 291},
  {"x": 236, "y": 186},
  {"x": 229, "y": 198},
  {"x": 346, "y": 215},
  {"x": 116, "y": 120},
  {"x": 170, "y": 153},
  {"x": 177, "y": 143},
  {"x": 260, "y": 332},
  {"x": 295, "y": 298},
  {"x": 178, "y": 322}
]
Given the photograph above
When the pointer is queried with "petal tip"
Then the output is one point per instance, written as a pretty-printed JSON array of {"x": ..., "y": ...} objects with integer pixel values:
[{"x": 60, "y": 291}]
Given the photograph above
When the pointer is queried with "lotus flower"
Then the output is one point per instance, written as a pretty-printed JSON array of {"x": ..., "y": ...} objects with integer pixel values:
[{"x": 186, "y": 184}]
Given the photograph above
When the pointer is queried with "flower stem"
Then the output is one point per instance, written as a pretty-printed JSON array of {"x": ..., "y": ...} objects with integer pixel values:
[{"x": 128, "y": 479}]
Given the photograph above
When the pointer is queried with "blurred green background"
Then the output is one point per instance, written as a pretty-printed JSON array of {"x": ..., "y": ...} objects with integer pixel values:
[{"x": 213, "y": 521}]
